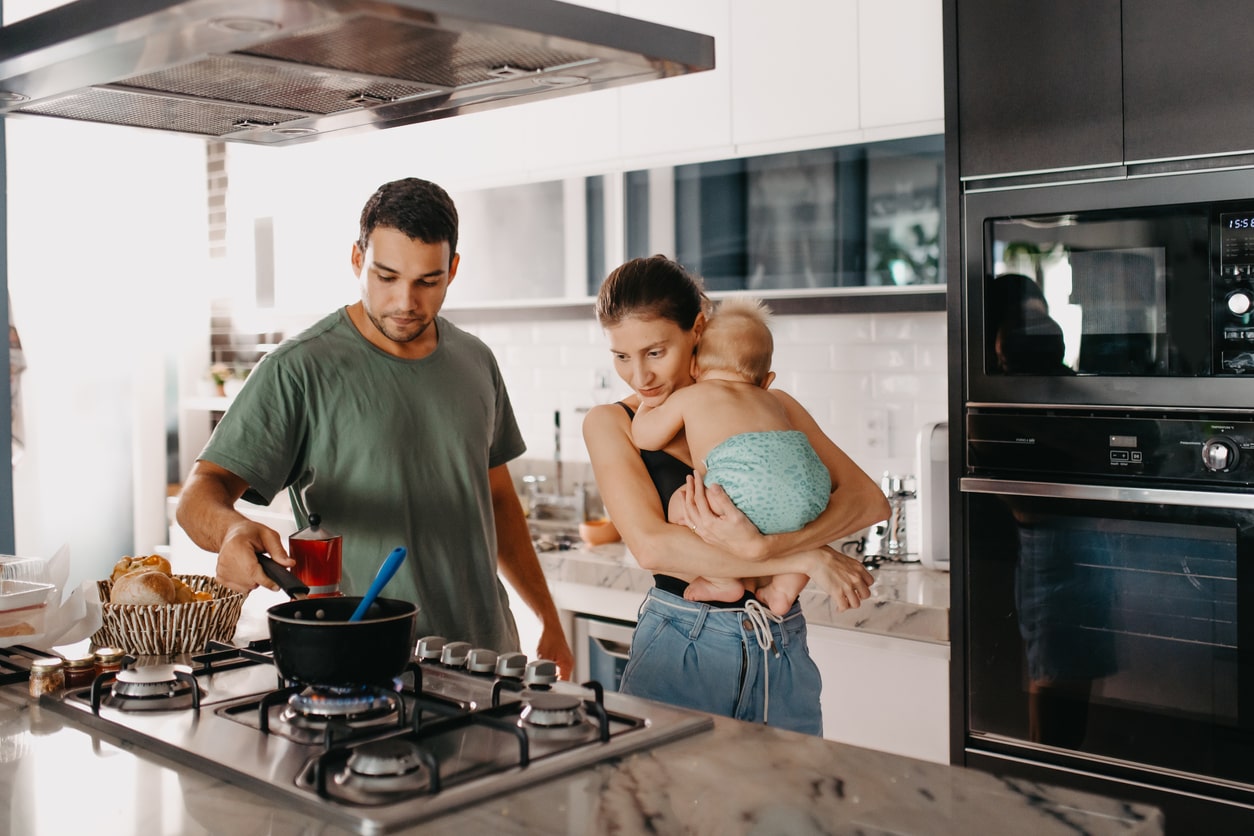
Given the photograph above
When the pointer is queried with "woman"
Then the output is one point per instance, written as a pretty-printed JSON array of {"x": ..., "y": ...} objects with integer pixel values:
[{"x": 736, "y": 659}]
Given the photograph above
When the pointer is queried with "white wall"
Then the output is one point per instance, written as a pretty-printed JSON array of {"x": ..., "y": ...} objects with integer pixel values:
[
  {"x": 107, "y": 244},
  {"x": 848, "y": 370}
]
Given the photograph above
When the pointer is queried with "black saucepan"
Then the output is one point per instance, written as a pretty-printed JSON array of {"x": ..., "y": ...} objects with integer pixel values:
[{"x": 314, "y": 642}]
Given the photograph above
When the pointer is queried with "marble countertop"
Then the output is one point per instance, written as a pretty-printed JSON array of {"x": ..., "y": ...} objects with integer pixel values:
[
  {"x": 738, "y": 778},
  {"x": 907, "y": 600}
]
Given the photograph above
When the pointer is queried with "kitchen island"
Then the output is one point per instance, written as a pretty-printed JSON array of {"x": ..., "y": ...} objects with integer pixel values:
[
  {"x": 736, "y": 778},
  {"x": 56, "y": 775}
]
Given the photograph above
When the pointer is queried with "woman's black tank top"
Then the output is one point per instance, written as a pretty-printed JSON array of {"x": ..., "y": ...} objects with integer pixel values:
[
  {"x": 667, "y": 472},
  {"x": 669, "y": 475}
]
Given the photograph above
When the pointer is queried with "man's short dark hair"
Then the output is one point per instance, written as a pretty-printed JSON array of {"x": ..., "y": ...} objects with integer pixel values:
[{"x": 419, "y": 208}]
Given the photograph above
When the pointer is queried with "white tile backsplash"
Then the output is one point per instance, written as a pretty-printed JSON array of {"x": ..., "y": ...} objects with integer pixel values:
[{"x": 841, "y": 367}]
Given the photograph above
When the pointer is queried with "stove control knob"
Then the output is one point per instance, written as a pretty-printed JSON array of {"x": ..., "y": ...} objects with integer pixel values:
[
  {"x": 1240, "y": 302},
  {"x": 430, "y": 648},
  {"x": 540, "y": 672},
  {"x": 1219, "y": 455},
  {"x": 481, "y": 660},
  {"x": 455, "y": 654},
  {"x": 511, "y": 665}
]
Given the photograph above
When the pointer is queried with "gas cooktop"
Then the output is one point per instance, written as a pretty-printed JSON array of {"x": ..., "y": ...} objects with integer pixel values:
[{"x": 460, "y": 725}]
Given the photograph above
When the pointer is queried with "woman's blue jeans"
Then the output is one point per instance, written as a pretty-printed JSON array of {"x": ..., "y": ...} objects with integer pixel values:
[{"x": 693, "y": 655}]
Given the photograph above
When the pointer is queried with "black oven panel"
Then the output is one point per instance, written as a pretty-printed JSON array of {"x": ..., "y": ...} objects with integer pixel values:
[{"x": 1216, "y": 451}]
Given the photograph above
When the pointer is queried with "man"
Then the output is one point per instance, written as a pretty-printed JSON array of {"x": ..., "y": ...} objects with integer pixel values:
[{"x": 394, "y": 426}]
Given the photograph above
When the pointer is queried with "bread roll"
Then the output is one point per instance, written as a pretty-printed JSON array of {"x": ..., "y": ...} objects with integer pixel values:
[
  {"x": 144, "y": 588},
  {"x": 134, "y": 565}
]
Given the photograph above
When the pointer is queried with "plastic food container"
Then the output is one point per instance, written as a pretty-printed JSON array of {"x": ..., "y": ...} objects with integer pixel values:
[
  {"x": 22, "y": 568},
  {"x": 23, "y": 605}
]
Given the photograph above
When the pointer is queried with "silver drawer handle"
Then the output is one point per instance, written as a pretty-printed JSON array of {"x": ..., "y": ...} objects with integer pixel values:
[
  {"x": 1108, "y": 493},
  {"x": 618, "y": 650}
]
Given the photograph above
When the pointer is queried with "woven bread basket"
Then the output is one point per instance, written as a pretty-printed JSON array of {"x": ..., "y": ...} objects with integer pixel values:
[{"x": 163, "y": 629}]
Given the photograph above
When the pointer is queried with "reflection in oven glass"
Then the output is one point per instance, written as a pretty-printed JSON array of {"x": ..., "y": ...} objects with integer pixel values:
[{"x": 1125, "y": 632}]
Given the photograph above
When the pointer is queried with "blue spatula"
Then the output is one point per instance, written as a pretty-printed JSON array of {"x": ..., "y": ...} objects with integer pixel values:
[{"x": 386, "y": 571}]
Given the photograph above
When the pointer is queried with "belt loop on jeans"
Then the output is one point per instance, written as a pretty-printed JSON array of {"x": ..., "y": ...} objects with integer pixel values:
[{"x": 702, "y": 611}]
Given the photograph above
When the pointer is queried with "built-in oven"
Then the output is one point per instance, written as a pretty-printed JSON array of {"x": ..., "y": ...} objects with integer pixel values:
[
  {"x": 1109, "y": 585},
  {"x": 1137, "y": 292}
]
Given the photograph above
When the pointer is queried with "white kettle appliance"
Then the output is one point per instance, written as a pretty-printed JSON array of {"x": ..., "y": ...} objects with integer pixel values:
[{"x": 932, "y": 467}]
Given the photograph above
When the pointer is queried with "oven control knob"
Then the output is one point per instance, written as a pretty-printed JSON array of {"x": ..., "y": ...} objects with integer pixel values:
[
  {"x": 430, "y": 648},
  {"x": 540, "y": 672},
  {"x": 511, "y": 665},
  {"x": 1219, "y": 455},
  {"x": 1240, "y": 302},
  {"x": 481, "y": 660},
  {"x": 455, "y": 654}
]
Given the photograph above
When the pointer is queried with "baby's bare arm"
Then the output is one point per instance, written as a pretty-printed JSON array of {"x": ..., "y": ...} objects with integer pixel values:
[{"x": 654, "y": 427}]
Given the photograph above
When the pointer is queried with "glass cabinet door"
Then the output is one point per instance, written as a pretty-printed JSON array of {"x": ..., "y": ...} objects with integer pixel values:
[{"x": 851, "y": 216}]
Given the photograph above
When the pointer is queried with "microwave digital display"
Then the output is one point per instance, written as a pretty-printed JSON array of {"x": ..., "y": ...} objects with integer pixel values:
[{"x": 1236, "y": 240}]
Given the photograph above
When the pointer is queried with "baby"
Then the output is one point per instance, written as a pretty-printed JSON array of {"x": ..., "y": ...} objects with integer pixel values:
[{"x": 741, "y": 439}]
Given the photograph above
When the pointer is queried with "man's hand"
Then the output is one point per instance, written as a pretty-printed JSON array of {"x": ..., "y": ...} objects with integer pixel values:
[
  {"x": 842, "y": 577},
  {"x": 553, "y": 647},
  {"x": 238, "y": 568},
  {"x": 716, "y": 520}
]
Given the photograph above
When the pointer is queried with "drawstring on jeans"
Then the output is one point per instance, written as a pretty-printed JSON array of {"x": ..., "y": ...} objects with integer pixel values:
[{"x": 760, "y": 617}]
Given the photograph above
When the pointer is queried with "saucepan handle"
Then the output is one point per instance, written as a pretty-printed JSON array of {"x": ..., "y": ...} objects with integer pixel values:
[{"x": 278, "y": 573}]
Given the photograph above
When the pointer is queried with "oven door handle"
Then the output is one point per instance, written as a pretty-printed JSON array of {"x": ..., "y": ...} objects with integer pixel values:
[{"x": 1108, "y": 493}]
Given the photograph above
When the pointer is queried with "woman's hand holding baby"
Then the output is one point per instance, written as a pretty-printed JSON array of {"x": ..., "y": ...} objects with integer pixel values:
[
  {"x": 842, "y": 577},
  {"x": 716, "y": 520}
]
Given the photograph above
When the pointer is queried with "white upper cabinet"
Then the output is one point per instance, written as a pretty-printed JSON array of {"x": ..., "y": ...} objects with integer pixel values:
[
  {"x": 901, "y": 63},
  {"x": 674, "y": 117},
  {"x": 795, "y": 69}
]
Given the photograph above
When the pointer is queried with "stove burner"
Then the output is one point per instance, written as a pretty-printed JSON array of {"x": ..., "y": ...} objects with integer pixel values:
[
  {"x": 383, "y": 768},
  {"x": 548, "y": 710},
  {"x": 151, "y": 682},
  {"x": 385, "y": 757},
  {"x": 357, "y": 705}
]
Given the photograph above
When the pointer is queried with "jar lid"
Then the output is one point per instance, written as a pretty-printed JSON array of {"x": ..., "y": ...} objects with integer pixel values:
[
  {"x": 85, "y": 660},
  {"x": 109, "y": 654},
  {"x": 44, "y": 665}
]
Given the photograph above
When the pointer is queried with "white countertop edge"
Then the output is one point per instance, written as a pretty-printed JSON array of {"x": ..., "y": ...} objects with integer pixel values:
[
  {"x": 594, "y": 600},
  {"x": 910, "y": 645}
]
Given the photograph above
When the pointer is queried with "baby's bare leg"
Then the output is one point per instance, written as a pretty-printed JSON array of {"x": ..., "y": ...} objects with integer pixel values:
[
  {"x": 714, "y": 589},
  {"x": 780, "y": 591}
]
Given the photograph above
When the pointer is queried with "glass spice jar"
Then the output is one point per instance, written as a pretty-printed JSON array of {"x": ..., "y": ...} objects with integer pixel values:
[
  {"x": 109, "y": 660},
  {"x": 47, "y": 676},
  {"x": 80, "y": 670}
]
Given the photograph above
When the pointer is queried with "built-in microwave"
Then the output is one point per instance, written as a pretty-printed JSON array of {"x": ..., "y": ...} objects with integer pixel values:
[{"x": 1136, "y": 292}]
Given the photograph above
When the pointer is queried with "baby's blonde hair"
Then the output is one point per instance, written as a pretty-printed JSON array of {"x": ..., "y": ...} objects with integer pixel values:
[{"x": 738, "y": 339}]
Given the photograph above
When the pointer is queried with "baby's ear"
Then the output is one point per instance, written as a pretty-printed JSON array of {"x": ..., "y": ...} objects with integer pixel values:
[{"x": 770, "y": 378}]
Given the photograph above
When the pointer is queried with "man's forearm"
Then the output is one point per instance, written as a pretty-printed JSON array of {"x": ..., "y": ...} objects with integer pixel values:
[{"x": 206, "y": 510}]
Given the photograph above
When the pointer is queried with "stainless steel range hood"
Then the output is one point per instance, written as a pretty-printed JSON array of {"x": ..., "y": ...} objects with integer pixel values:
[{"x": 278, "y": 72}]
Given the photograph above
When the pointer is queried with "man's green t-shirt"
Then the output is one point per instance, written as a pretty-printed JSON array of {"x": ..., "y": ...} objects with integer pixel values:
[{"x": 392, "y": 452}]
